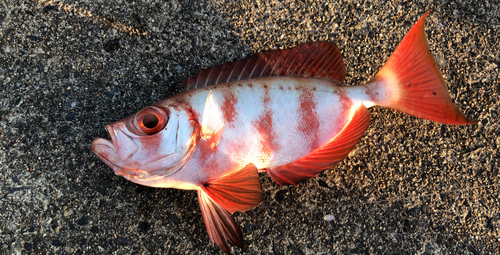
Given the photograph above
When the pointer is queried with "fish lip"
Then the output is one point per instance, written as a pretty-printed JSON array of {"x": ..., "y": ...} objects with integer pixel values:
[
  {"x": 101, "y": 147},
  {"x": 105, "y": 142},
  {"x": 106, "y": 151},
  {"x": 101, "y": 142}
]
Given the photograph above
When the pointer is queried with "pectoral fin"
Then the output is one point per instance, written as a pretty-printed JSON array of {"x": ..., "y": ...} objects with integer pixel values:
[
  {"x": 212, "y": 124},
  {"x": 220, "y": 197},
  {"x": 237, "y": 192}
]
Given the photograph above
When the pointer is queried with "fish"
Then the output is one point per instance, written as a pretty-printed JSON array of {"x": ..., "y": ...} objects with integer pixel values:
[{"x": 283, "y": 112}]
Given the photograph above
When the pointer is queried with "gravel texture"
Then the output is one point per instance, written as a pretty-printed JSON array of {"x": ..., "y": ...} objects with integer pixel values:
[{"x": 410, "y": 186}]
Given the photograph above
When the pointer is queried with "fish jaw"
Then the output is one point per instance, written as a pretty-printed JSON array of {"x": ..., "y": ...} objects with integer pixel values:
[
  {"x": 105, "y": 150},
  {"x": 112, "y": 152}
]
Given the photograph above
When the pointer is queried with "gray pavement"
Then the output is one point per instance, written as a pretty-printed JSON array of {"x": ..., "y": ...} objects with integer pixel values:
[{"x": 410, "y": 186}]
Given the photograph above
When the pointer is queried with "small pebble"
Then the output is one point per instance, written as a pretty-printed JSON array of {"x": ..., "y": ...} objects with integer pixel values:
[{"x": 329, "y": 217}]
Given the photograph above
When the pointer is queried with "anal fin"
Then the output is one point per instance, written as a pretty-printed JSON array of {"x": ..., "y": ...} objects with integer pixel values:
[
  {"x": 222, "y": 196},
  {"x": 327, "y": 156}
]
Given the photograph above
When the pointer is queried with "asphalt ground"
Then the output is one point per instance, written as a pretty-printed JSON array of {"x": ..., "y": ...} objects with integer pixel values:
[{"x": 410, "y": 186}]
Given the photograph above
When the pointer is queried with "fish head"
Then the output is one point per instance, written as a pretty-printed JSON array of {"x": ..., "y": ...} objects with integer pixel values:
[{"x": 154, "y": 143}]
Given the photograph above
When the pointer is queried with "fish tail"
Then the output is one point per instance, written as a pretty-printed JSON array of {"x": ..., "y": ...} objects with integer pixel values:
[{"x": 411, "y": 82}]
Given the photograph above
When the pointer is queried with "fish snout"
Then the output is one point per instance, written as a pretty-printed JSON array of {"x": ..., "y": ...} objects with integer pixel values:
[
  {"x": 104, "y": 147},
  {"x": 105, "y": 151}
]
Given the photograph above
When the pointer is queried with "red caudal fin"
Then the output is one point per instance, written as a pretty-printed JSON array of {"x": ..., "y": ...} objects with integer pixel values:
[
  {"x": 412, "y": 78},
  {"x": 327, "y": 156},
  {"x": 220, "y": 197}
]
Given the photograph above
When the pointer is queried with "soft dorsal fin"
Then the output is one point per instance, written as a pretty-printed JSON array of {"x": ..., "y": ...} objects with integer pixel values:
[
  {"x": 314, "y": 60},
  {"x": 220, "y": 197},
  {"x": 327, "y": 156}
]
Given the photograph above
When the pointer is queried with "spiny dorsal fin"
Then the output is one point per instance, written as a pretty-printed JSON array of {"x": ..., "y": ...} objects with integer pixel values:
[{"x": 314, "y": 60}]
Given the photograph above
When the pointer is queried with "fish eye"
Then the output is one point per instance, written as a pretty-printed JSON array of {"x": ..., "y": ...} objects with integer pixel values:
[{"x": 151, "y": 120}]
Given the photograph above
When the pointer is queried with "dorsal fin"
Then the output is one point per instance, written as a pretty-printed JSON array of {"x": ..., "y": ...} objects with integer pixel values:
[{"x": 314, "y": 60}]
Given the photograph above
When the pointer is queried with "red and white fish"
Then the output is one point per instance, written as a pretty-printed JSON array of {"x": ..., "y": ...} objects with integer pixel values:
[{"x": 283, "y": 112}]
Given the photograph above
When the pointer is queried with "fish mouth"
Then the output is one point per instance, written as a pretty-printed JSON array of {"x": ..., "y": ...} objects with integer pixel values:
[{"x": 105, "y": 149}]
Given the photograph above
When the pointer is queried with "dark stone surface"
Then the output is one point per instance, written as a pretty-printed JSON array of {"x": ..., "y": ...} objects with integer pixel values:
[{"x": 410, "y": 186}]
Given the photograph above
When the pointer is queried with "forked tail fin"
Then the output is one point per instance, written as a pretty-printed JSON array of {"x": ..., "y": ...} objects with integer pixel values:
[{"x": 415, "y": 85}]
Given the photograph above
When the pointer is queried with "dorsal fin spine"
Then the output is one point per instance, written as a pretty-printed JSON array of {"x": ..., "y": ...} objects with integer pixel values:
[
  {"x": 203, "y": 81},
  {"x": 253, "y": 69},
  {"x": 212, "y": 73},
  {"x": 218, "y": 76},
  {"x": 296, "y": 62},
  {"x": 328, "y": 60},
  {"x": 319, "y": 62},
  {"x": 208, "y": 77},
  {"x": 248, "y": 67},
  {"x": 336, "y": 65},
  {"x": 230, "y": 74},
  {"x": 274, "y": 66},
  {"x": 265, "y": 68},
  {"x": 196, "y": 82},
  {"x": 306, "y": 65},
  {"x": 284, "y": 72},
  {"x": 287, "y": 71},
  {"x": 242, "y": 70},
  {"x": 333, "y": 64}
]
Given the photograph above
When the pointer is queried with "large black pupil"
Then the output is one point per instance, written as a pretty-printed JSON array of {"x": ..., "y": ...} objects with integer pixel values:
[{"x": 150, "y": 120}]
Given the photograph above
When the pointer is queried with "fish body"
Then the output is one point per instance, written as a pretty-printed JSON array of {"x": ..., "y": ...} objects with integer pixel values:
[
  {"x": 269, "y": 122},
  {"x": 283, "y": 112}
]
